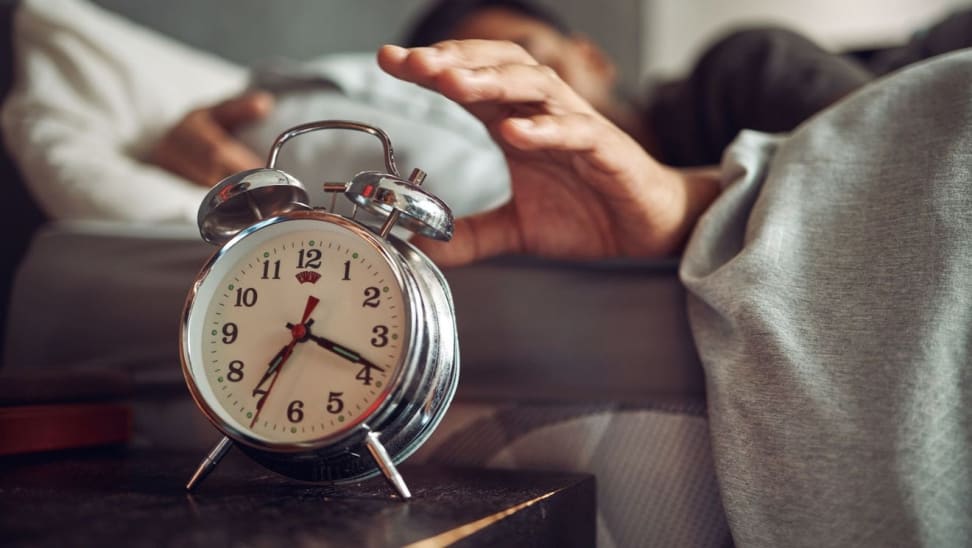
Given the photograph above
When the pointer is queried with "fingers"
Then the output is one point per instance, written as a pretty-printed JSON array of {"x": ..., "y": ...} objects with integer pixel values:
[
  {"x": 421, "y": 65},
  {"x": 202, "y": 150},
  {"x": 473, "y": 72},
  {"x": 225, "y": 155},
  {"x": 201, "y": 147},
  {"x": 595, "y": 140},
  {"x": 477, "y": 237},
  {"x": 511, "y": 84},
  {"x": 235, "y": 112},
  {"x": 568, "y": 132},
  {"x": 219, "y": 153}
]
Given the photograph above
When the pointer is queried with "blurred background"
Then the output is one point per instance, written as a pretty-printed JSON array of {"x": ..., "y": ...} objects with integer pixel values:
[
  {"x": 672, "y": 31},
  {"x": 646, "y": 37}
]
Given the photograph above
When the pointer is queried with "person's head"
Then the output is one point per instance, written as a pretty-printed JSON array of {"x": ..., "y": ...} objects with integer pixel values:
[{"x": 578, "y": 61}]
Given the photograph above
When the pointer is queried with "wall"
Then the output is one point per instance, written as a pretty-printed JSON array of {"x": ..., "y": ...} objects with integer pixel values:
[
  {"x": 644, "y": 37},
  {"x": 313, "y": 27},
  {"x": 321, "y": 26}
]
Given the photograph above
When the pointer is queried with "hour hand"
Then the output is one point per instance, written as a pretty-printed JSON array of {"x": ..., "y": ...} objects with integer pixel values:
[
  {"x": 342, "y": 351},
  {"x": 284, "y": 352}
]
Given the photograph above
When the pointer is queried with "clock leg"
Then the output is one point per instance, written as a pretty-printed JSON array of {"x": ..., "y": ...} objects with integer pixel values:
[
  {"x": 386, "y": 465},
  {"x": 210, "y": 462}
]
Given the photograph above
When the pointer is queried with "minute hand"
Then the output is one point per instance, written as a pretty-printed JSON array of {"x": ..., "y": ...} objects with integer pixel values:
[{"x": 343, "y": 351}]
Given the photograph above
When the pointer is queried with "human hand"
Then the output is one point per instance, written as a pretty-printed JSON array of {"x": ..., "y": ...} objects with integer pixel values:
[
  {"x": 582, "y": 188},
  {"x": 200, "y": 147}
]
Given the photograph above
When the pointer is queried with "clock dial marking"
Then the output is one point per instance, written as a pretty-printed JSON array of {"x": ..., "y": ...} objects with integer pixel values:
[
  {"x": 354, "y": 350},
  {"x": 368, "y": 374}
]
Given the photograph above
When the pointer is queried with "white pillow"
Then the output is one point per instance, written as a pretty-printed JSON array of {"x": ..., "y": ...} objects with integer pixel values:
[
  {"x": 465, "y": 167},
  {"x": 92, "y": 92}
]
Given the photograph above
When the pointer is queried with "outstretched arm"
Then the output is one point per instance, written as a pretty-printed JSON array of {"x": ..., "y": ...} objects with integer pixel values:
[{"x": 582, "y": 188}]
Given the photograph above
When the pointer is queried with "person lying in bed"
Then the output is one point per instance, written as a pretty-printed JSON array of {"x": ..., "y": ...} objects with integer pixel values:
[
  {"x": 766, "y": 79},
  {"x": 827, "y": 273}
]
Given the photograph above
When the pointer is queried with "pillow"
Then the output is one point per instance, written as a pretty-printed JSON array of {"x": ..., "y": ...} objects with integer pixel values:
[
  {"x": 92, "y": 91},
  {"x": 465, "y": 167}
]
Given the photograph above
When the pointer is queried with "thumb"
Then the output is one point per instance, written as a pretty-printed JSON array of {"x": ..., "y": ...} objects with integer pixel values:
[
  {"x": 241, "y": 110},
  {"x": 475, "y": 238}
]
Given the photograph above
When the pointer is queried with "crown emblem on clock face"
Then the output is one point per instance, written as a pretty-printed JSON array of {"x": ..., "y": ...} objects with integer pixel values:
[{"x": 308, "y": 276}]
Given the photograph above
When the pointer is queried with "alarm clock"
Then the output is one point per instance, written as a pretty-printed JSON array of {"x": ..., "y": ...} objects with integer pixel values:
[{"x": 323, "y": 347}]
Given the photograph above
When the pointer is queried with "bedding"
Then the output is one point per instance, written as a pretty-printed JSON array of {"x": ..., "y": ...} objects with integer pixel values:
[
  {"x": 87, "y": 109},
  {"x": 830, "y": 300},
  {"x": 92, "y": 92},
  {"x": 551, "y": 378}
]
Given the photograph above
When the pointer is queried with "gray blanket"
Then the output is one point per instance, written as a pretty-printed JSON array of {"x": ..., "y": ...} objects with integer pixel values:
[{"x": 831, "y": 302}]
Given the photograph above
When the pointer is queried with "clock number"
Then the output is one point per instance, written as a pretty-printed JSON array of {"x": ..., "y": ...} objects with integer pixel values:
[
  {"x": 309, "y": 258},
  {"x": 381, "y": 336},
  {"x": 246, "y": 297},
  {"x": 334, "y": 403},
  {"x": 295, "y": 411},
  {"x": 229, "y": 333},
  {"x": 347, "y": 271},
  {"x": 261, "y": 394},
  {"x": 364, "y": 375},
  {"x": 235, "y": 371},
  {"x": 266, "y": 270},
  {"x": 371, "y": 297}
]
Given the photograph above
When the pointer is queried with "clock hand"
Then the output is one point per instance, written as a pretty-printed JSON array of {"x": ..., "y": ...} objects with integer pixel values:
[
  {"x": 298, "y": 333},
  {"x": 342, "y": 351},
  {"x": 274, "y": 364},
  {"x": 282, "y": 355}
]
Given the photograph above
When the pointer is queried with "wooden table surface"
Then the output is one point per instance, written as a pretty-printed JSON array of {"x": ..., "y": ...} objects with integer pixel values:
[{"x": 136, "y": 498}]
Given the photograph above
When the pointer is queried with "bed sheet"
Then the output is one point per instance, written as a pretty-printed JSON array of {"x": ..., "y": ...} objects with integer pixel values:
[
  {"x": 587, "y": 368},
  {"x": 95, "y": 294}
]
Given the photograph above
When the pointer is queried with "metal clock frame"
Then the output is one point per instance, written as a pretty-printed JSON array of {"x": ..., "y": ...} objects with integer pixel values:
[{"x": 415, "y": 400}]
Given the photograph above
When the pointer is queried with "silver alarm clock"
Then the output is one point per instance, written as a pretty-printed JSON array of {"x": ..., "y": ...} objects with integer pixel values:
[{"x": 323, "y": 348}]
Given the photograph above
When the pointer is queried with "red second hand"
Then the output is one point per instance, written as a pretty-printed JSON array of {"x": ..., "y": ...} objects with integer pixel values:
[{"x": 297, "y": 332}]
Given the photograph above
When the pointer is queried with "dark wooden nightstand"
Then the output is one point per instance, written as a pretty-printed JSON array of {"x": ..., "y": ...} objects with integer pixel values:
[{"x": 136, "y": 498}]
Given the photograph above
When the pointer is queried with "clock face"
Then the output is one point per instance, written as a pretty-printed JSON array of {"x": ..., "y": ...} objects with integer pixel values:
[{"x": 297, "y": 331}]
